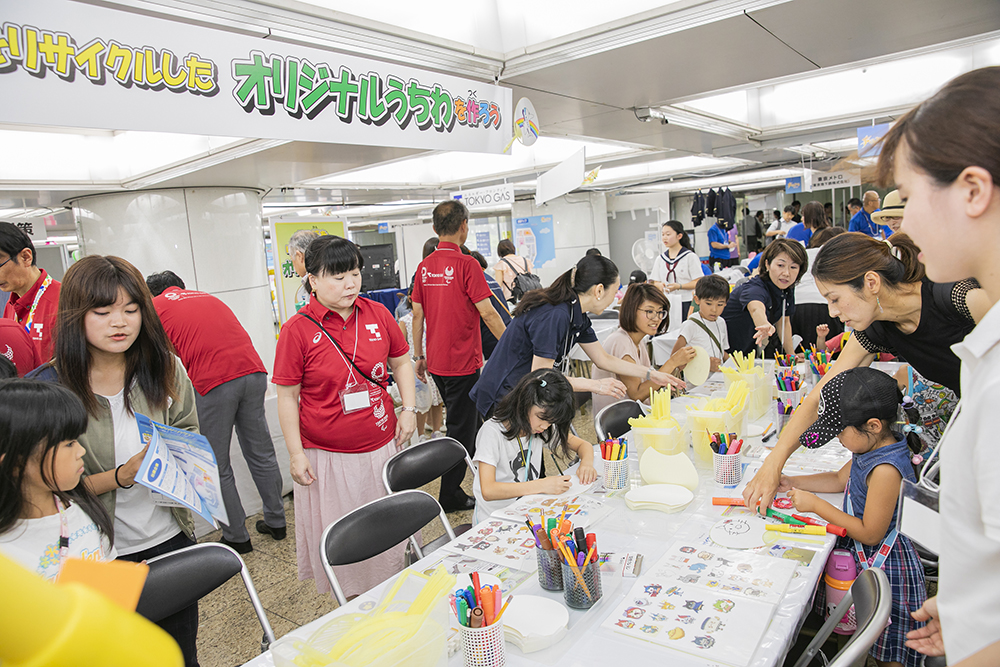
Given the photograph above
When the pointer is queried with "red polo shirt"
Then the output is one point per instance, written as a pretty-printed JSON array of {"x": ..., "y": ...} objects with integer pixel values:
[
  {"x": 213, "y": 345},
  {"x": 306, "y": 357},
  {"x": 43, "y": 323},
  {"x": 17, "y": 347},
  {"x": 448, "y": 285}
]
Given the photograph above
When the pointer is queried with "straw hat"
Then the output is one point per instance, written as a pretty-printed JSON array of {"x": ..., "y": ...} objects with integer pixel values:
[{"x": 892, "y": 207}]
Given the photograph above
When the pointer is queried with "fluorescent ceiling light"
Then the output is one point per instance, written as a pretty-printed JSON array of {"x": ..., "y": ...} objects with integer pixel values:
[
  {"x": 663, "y": 168},
  {"x": 728, "y": 180},
  {"x": 698, "y": 121}
]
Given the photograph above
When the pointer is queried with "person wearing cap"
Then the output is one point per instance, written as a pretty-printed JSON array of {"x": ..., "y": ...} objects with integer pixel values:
[
  {"x": 891, "y": 214},
  {"x": 859, "y": 407}
]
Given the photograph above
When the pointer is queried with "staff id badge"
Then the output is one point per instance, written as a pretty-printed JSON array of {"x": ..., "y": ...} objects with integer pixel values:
[{"x": 354, "y": 397}]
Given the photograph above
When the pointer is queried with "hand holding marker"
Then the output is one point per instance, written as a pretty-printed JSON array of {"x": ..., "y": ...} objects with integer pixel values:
[{"x": 790, "y": 521}]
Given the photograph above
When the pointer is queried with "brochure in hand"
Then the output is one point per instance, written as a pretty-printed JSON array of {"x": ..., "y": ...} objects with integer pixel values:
[{"x": 181, "y": 466}]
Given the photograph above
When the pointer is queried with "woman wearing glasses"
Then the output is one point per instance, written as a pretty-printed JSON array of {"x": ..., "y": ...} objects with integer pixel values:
[
  {"x": 644, "y": 312},
  {"x": 547, "y": 324}
]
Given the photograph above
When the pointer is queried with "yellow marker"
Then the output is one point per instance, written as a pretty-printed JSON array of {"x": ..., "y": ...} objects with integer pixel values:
[
  {"x": 614, "y": 451},
  {"x": 807, "y": 530}
]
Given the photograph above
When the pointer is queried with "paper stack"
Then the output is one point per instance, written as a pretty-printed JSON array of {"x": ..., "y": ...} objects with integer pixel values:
[{"x": 668, "y": 498}]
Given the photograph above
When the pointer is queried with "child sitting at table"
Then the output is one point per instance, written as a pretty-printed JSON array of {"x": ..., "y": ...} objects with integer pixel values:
[
  {"x": 706, "y": 329},
  {"x": 535, "y": 414},
  {"x": 859, "y": 406}
]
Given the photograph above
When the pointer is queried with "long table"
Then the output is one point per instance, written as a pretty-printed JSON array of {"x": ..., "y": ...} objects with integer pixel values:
[{"x": 651, "y": 533}]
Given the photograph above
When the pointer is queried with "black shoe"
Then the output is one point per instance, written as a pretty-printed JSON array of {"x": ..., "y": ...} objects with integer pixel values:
[
  {"x": 458, "y": 503},
  {"x": 276, "y": 533},
  {"x": 239, "y": 547}
]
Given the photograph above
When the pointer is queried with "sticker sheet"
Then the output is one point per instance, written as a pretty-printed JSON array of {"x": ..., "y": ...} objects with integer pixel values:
[
  {"x": 510, "y": 577},
  {"x": 582, "y": 510},
  {"x": 500, "y": 542},
  {"x": 704, "y": 600}
]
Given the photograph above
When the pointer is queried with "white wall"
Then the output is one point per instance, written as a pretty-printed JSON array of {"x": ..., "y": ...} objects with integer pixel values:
[{"x": 580, "y": 222}]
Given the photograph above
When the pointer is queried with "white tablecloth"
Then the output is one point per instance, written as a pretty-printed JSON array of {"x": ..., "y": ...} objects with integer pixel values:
[{"x": 650, "y": 533}]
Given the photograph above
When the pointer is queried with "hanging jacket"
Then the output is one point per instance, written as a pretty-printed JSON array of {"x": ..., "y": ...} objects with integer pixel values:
[
  {"x": 698, "y": 209},
  {"x": 726, "y": 207},
  {"x": 710, "y": 204}
]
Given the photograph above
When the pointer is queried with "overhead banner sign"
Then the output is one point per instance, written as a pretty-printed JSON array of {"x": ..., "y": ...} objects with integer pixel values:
[
  {"x": 492, "y": 197},
  {"x": 793, "y": 185},
  {"x": 868, "y": 139},
  {"x": 564, "y": 177},
  {"x": 835, "y": 179},
  {"x": 72, "y": 64}
]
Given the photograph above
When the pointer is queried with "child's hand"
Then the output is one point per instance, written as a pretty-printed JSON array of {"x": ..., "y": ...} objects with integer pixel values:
[
  {"x": 823, "y": 330},
  {"x": 714, "y": 364},
  {"x": 586, "y": 473},
  {"x": 680, "y": 358},
  {"x": 785, "y": 484},
  {"x": 803, "y": 500},
  {"x": 556, "y": 485}
]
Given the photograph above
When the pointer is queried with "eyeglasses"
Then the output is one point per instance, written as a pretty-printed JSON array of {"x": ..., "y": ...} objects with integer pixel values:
[
  {"x": 654, "y": 314},
  {"x": 5, "y": 261}
]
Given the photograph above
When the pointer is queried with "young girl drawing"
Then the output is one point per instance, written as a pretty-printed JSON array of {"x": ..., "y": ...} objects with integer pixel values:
[
  {"x": 41, "y": 498},
  {"x": 537, "y": 413},
  {"x": 859, "y": 406}
]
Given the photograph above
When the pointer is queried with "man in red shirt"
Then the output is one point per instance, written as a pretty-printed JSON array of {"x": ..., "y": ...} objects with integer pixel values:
[
  {"x": 230, "y": 382},
  {"x": 34, "y": 298},
  {"x": 450, "y": 291},
  {"x": 17, "y": 347}
]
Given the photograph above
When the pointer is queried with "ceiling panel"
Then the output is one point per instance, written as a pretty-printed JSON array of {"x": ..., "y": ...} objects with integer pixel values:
[{"x": 834, "y": 33}]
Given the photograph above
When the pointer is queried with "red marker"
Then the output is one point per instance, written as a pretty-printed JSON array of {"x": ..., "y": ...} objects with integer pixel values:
[{"x": 830, "y": 528}]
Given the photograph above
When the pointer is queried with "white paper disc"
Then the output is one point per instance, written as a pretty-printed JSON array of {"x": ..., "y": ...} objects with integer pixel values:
[
  {"x": 739, "y": 532},
  {"x": 696, "y": 371}
]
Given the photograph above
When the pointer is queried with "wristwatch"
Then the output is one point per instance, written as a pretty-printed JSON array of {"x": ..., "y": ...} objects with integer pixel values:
[
  {"x": 420, "y": 358},
  {"x": 409, "y": 408},
  {"x": 649, "y": 374}
]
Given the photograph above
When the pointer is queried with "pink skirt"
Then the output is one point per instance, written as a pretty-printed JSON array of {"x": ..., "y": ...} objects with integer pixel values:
[{"x": 344, "y": 482}]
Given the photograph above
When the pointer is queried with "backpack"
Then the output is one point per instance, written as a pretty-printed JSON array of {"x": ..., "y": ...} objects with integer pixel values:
[{"x": 523, "y": 282}]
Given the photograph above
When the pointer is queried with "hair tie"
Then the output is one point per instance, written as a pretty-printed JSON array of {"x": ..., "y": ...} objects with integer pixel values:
[
  {"x": 572, "y": 277},
  {"x": 893, "y": 250}
]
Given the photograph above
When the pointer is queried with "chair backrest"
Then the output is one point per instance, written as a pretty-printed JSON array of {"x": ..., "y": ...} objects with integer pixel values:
[
  {"x": 612, "y": 421},
  {"x": 178, "y": 579},
  {"x": 422, "y": 463},
  {"x": 373, "y": 528}
]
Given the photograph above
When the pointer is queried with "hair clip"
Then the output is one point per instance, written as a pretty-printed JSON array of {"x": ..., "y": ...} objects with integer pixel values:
[
  {"x": 908, "y": 403},
  {"x": 917, "y": 459},
  {"x": 543, "y": 382},
  {"x": 910, "y": 428}
]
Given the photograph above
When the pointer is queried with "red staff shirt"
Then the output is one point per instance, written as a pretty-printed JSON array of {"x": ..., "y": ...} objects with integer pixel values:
[
  {"x": 17, "y": 347},
  {"x": 306, "y": 357},
  {"x": 43, "y": 324},
  {"x": 213, "y": 345},
  {"x": 448, "y": 285}
]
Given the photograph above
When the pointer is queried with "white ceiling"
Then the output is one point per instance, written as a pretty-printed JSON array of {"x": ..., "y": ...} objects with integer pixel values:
[{"x": 585, "y": 65}]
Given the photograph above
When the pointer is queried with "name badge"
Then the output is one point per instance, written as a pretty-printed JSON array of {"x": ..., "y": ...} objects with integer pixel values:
[{"x": 354, "y": 398}]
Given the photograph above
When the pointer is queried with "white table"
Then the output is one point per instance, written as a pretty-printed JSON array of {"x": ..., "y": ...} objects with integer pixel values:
[
  {"x": 649, "y": 533},
  {"x": 603, "y": 329}
]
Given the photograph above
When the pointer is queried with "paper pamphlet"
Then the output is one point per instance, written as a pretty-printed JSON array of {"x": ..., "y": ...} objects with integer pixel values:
[{"x": 181, "y": 466}]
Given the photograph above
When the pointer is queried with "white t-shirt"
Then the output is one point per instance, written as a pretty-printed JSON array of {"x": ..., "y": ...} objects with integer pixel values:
[
  {"x": 695, "y": 335},
  {"x": 34, "y": 543},
  {"x": 970, "y": 524},
  {"x": 139, "y": 523},
  {"x": 505, "y": 455},
  {"x": 778, "y": 225},
  {"x": 686, "y": 267},
  {"x": 618, "y": 345},
  {"x": 806, "y": 291}
]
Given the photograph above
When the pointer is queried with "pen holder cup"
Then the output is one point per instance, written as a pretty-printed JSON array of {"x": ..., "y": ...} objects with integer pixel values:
[
  {"x": 812, "y": 379},
  {"x": 616, "y": 475},
  {"x": 779, "y": 423},
  {"x": 793, "y": 397},
  {"x": 549, "y": 569},
  {"x": 576, "y": 597},
  {"x": 728, "y": 468},
  {"x": 484, "y": 647}
]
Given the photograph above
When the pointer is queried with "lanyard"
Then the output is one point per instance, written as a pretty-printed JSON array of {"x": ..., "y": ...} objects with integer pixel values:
[
  {"x": 354, "y": 355},
  {"x": 525, "y": 463},
  {"x": 34, "y": 304},
  {"x": 63, "y": 532},
  {"x": 878, "y": 558}
]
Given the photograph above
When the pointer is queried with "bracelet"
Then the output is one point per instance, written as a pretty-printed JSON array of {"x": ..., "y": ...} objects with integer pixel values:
[
  {"x": 649, "y": 374},
  {"x": 409, "y": 408},
  {"x": 120, "y": 485},
  {"x": 420, "y": 358}
]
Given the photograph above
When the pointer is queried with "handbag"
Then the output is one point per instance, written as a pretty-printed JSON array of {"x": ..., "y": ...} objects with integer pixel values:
[{"x": 523, "y": 282}]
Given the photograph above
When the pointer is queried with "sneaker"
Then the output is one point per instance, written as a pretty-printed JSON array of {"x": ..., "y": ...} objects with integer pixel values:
[
  {"x": 435, "y": 434},
  {"x": 239, "y": 547},
  {"x": 276, "y": 533}
]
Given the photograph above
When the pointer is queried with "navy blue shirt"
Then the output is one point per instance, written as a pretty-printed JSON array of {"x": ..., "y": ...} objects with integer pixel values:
[
  {"x": 489, "y": 340},
  {"x": 544, "y": 331},
  {"x": 799, "y": 233},
  {"x": 740, "y": 325},
  {"x": 718, "y": 235}
]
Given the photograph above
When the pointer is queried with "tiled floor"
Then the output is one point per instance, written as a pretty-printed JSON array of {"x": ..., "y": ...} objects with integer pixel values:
[{"x": 229, "y": 633}]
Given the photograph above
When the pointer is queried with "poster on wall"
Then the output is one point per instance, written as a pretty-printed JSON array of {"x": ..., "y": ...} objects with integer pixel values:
[
  {"x": 292, "y": 294},
  {"x": 76, "y": 64},
  {"x": 534, "y": 238}
]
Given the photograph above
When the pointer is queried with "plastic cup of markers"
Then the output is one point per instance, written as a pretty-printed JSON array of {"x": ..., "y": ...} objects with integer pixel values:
[
  {"x": 780, "y": 422},
  {"x": 792, "y": 398},
  {"x": 574, "y": 594},
  {"x": 616, "y": 475},
  {"x": 549, "y": 569},
  {"x": 484, "y": 647},
  {"x": 728, "y": 468}
]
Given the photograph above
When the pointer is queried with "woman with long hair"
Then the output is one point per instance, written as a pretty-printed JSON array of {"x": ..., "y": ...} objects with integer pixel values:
[
  {"x": 944, "y": 156},
  {"x": 548, "y": 323},
  {"x": 112, "y": 352}
]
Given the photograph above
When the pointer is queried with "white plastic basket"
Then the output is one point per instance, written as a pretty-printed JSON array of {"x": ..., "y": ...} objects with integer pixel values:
[
  {"x": 616, "y": 475},
  {"x": 728, "y": 468},
  {"x": 484, "y": 647}
]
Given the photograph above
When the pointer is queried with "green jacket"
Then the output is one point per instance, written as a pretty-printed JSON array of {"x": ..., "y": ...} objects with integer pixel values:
[{"x": 99, "y": 439}]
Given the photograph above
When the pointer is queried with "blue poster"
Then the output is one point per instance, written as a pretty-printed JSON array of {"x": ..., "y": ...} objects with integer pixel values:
[
  {"x": 868, "y": 139},
  {"x": 793, "y": 185},
  {"x": 534, "y": 238}
]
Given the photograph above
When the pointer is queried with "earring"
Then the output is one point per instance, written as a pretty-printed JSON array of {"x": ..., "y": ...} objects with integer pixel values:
[{"x": 879, "y": 304}]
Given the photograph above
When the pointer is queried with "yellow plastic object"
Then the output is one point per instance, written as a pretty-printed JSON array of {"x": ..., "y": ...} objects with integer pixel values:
[
  {"x": 669, "y": 440},
  {"x": 719, "y": 414},
  {"x": 408, "y": 627},
  {"x": 48, "y": 625}
]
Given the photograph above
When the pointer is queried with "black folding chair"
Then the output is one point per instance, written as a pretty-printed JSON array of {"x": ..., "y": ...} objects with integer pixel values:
[
  {"x": 871, "y": 596},
  {"x": 422, "y": 463},
  {"x": 374, "y": 528},
  {"x": 180, "y": 578},
  {"x": 612, "y": 421}
]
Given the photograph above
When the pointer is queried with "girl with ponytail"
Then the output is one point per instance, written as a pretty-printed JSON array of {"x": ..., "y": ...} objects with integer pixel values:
[{"x": 547, "y": 324}]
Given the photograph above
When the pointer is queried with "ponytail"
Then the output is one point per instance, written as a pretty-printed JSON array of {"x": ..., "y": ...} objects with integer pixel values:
[
  {"x": 589, "y": 271},
  {"x": 679, "y": 228},
  {"x": 846, "y": 258}
]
